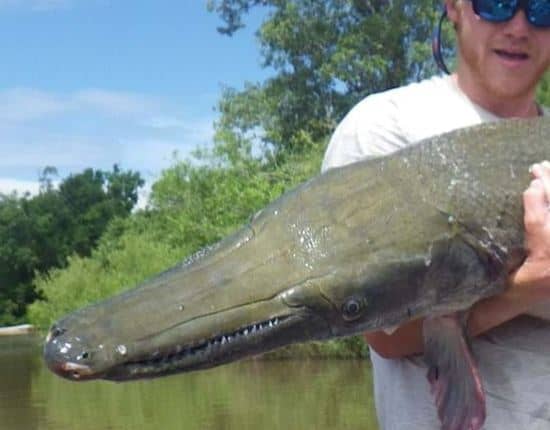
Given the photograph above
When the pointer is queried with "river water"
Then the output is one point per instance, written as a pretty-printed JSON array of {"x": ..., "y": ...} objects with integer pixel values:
[{"x": 254, "y": 394}]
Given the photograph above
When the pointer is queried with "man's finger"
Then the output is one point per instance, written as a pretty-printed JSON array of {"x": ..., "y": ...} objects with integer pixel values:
[
  {"x": 535, "y": 204},
  {"x": 542, "y": 171}
]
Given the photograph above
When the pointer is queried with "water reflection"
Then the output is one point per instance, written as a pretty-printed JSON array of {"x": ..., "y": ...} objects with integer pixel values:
[
  {"x": 19, "y": 363},
  {"x": 249, "y": 395}
]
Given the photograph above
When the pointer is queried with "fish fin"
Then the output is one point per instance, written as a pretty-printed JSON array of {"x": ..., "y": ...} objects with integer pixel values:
[
  {"x": 453, "y": 375},
  {"x": 390, "y": 330}
]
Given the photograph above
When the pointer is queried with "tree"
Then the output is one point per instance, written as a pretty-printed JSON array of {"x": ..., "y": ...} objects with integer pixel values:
[
  {"x": 16, "y": 259},
  {"x": 326, "y": 55},
  {"x": 46, "y": 178},
  {"x": 39, "y": 233},
  {"x": 93, "y": 198}
]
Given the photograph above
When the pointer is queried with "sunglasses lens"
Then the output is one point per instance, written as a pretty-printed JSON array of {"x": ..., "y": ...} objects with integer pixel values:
[
  {"x": 538, "y": 13},
  {"x": 496, "y": 10}
]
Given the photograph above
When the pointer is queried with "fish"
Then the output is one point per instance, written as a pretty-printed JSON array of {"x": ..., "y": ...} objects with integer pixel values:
[{"x": 425, "y": 232}]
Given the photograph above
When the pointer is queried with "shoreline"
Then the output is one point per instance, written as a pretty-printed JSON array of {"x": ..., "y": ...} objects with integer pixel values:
[{"x": 16, "y": 330}]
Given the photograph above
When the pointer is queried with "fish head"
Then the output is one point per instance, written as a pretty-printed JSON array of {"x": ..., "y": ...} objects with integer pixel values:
[
  {"x": 91, "y": 344},
  {"x": 168, "y": 326},
  {"x": 214, "y": 308}
]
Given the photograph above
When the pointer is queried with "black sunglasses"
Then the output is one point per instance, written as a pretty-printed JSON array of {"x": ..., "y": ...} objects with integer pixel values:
[{"x": 537, "y": 12}]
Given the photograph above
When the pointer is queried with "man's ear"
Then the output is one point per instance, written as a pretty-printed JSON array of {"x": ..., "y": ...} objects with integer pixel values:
[{"x": 452, "y": 7}]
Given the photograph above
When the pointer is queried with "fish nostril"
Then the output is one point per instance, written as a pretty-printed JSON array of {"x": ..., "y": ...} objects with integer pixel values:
[
  {"x": 54, "y": 333},
  {"x": 57, "y": 331}
]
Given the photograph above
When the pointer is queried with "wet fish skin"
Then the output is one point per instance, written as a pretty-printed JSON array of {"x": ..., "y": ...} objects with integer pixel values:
[{"x": 426, "y": 231}]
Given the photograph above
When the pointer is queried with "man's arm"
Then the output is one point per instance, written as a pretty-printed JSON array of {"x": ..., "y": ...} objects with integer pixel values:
[{"x": 528, "y": 285}]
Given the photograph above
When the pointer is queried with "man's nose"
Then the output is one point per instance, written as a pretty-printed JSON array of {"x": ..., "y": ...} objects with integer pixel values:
[{"x": 518, "y": 27}]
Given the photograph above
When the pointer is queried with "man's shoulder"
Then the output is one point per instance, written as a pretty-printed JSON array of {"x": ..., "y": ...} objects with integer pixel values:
[
  {"x": 414, "y": 92},
  {"x": 387, "y": 121},
  {"x": 393, "y": 106},
  {"x": 423, "y": 109},
  {"x": 413, "y": 104}
]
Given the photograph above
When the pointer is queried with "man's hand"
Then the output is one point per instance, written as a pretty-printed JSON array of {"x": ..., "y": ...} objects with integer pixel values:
[{"x": 534, "y": 273}]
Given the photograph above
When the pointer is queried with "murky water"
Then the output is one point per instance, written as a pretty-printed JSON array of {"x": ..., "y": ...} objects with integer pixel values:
[{"x": 266, "y": 395}]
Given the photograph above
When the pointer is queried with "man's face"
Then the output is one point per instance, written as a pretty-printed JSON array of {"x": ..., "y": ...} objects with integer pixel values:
[{"x": 504, "y": 60}]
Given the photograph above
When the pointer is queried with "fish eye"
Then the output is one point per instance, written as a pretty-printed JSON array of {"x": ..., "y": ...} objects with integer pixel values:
[
  {"x": 352, "y": 309},
  {"x": 84, "y": 356}
]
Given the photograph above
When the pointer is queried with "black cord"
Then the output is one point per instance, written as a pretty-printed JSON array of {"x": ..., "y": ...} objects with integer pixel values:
[{"x": 436, "y": 44}]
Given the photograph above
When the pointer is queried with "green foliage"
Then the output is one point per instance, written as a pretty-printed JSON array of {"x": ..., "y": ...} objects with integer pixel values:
[
  {"x": 39, "y": 233},
  {"x": 327, "y": 55},
  {"x": 108, "y": 271},
  {"x": 198, "y": 202},
  {"x": 93, "y": 198}
]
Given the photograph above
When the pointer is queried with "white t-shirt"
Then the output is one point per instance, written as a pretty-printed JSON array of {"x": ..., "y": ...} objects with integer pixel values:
[
  {"x": 514, "y": 358},
  {"x": 385, "y": 122}
]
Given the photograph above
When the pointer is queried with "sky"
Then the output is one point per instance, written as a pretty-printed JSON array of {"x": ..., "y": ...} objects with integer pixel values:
[{"x": 91, "y": 83}]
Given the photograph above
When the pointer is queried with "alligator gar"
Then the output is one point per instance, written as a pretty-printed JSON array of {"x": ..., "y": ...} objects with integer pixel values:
[{"x": 424, "y": 232}]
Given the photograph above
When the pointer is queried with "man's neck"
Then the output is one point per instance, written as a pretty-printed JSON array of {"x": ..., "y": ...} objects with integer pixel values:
[{"x": 516, "y": 107}]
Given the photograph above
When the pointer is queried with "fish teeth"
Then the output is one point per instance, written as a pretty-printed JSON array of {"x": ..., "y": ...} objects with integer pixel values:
[{"x": 181, "y": 352}]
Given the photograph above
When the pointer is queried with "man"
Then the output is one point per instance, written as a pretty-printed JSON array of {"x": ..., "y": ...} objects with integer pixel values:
[{"x": 501, "y": 58}]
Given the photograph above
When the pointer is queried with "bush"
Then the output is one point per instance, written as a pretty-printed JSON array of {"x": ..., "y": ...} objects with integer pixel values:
[{"x": 106, "y": 272}]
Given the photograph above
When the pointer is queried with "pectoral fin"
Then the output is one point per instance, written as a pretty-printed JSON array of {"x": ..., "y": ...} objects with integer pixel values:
[{"x": 453, "y": 375}]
